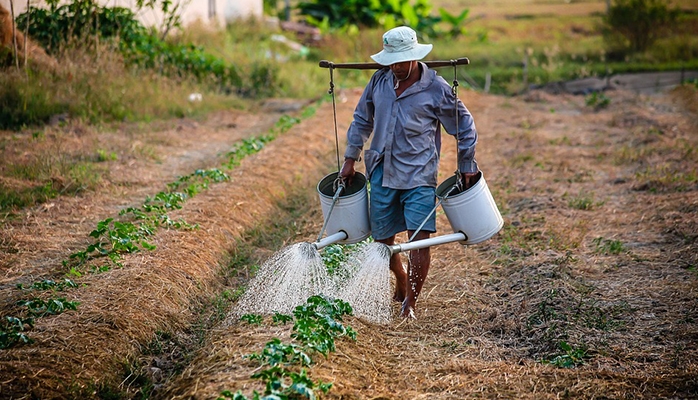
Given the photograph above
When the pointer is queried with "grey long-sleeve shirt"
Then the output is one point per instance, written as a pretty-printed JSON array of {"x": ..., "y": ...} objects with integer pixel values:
[{"x": 407, "y": 129}]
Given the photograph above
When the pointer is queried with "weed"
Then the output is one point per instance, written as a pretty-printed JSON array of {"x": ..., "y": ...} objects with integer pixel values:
[
  {"x": 252, "y": 319},
  {"x": 608, "y": 246},
  {"x": 40, "y": 193},
  {"x": 103, "y": 155},
  {"x": 570, "y": 357},
  {"x": 693, "y": 269},
  {"x": 582, "y": 201},
  {"x": 597, "y": 100},
  {"x": 664, "y": 177},
  {"x": 545, "y": 310},
  {"x": 595, "y": 316},
  {"x": 221, "y": 305}
]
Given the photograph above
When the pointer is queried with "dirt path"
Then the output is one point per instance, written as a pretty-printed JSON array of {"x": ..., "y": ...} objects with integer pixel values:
[{"x": 598, "y": 251}]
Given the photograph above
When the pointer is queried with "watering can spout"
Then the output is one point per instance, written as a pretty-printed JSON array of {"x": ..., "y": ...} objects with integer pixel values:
[
  {"x": 424, "y": 243},
  {"x": 337, "y": 237}
]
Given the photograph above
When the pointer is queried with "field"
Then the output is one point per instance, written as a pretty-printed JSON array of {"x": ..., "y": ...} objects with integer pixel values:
[{"x": 590, "y": 290}]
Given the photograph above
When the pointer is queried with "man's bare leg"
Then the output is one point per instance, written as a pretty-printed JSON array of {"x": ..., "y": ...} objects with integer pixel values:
[
  {"x": 418, "y": 268},
  {"x": 398, "y": 270}
]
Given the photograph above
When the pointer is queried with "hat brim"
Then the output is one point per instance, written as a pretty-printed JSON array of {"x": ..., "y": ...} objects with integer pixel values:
[{"x": 417, "y": 53}]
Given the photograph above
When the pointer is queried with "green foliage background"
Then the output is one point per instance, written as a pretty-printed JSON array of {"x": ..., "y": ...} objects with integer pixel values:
[{"x": 112, "y": 68}]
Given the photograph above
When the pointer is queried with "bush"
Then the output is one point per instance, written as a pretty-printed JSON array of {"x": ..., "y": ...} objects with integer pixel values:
[
  {"x": 637, "y": 23},
  {"x": 21, "y": 105},
  {"x": 59, "y": 27},
  {"x": 370, "y": 13}
]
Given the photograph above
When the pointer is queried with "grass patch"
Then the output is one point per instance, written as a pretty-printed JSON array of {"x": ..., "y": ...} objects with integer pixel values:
[{"x": 608, "y": 246}]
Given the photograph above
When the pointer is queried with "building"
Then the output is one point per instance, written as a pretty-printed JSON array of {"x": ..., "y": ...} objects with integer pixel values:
[{"x": 219, "y": 12}]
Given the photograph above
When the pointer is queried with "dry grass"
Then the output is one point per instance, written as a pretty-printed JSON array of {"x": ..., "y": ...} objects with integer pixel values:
[
  {"x": 490, "y": 313},
  {"x": 494, "y": 312}
]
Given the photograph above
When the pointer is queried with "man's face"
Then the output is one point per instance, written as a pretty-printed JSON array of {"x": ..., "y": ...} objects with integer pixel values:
[{"x": 401, "y": 70}]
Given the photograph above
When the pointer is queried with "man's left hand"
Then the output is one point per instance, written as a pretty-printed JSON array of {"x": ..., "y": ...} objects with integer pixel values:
[{"x": 469, "y": 179}]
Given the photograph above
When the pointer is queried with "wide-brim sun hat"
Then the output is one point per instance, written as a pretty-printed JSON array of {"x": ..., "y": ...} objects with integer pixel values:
[{"x": 400, "y": 44}]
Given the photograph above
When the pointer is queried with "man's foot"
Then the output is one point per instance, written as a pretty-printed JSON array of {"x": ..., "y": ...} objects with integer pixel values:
[
  {"x": 399, "y": 295},
  {"x": 407, "y": 310}
]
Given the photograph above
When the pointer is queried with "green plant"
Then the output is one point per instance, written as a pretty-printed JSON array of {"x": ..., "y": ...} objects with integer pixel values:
[
  {"x": 608, "y": 246},
  {"x": 315, "y": 328},
  {"x": 333, "y": 256},
  {"x": 597, "y": 100},
  {"x": 48, "y": 284},
  {"x": 638, "y": 22},
  {"x": 570, "y": 358},
  {"x": 252, "y": 319},
  {"x": 20, "y": 198},
  {"x": 39, "y": 307},
  {"x": 12, "y": 331},
  {"x": 60, "y": 26},
  {"x": 103, "y": 155},
  {"x": 317, "y": 323},
  {"x": 277, "y": 353},
  {"x": 455, "y": 22},
  {"x": 369, "y": 13},
  {"x": 279, "y": 318},
  {"x": 581, "y": 202},
  {"x": 115, "y": 238}
]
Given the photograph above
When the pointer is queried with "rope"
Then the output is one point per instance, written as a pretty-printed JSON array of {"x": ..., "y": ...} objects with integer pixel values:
[
  {"x": 454, "y": 89},
  {"x": 339, "y": 189},
  {"x": 334, "y": 113}
]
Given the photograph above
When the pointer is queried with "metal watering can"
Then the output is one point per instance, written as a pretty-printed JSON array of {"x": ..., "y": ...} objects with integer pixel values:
[{"x": 472, "y": 213}]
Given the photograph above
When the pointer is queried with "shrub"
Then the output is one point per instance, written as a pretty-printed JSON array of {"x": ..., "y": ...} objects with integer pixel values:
[
  {"x": 637, "y": 23},
  {"x": 58, "y": 27},
  {"x": 368, "y": 13},
  {"x": 21, "y": 105}
]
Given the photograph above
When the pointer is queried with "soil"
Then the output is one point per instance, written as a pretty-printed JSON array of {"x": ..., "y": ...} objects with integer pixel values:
[{"x": 598, "y": 252}]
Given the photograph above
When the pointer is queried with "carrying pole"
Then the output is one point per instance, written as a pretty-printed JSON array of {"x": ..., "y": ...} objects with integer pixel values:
[{"x": 430, "y": 64}]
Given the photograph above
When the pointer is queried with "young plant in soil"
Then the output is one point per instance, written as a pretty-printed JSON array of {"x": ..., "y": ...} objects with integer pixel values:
[{"x": 317, "y": 324}]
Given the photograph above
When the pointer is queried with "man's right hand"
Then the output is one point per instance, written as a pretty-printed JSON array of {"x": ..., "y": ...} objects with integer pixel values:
[{"x": 347, "y": 172}]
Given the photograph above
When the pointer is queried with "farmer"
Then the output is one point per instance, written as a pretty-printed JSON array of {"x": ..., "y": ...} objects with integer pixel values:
[{"x": 404, "y": 106}]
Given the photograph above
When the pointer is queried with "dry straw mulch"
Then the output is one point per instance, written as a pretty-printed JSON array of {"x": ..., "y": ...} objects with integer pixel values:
[{"x": 571, "y": 181}]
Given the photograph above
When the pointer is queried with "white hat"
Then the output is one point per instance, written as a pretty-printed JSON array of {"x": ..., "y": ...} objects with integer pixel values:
[{"x": 400, "y": 44}]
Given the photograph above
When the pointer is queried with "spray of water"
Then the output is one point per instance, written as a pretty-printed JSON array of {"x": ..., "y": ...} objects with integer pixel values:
[
  {"x": 285, "y": 281},
  {"x": 368, "y": 288},
  {"x": 296, "y": 272}
]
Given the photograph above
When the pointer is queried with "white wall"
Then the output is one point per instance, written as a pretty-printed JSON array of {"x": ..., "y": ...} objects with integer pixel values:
[{"x": 215, "y": 11}]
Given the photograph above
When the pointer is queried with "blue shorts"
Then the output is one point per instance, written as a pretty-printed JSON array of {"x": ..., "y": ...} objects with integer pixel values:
[{"x": 393, "y": 210}]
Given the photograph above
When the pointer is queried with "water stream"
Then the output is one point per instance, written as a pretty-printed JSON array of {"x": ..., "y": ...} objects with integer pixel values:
[{"x": 296, "y": 272}]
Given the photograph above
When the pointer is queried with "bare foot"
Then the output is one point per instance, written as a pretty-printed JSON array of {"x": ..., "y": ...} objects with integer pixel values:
[
  {"x": 407, "y": 310},
  {"x": 400, "y": 282}
]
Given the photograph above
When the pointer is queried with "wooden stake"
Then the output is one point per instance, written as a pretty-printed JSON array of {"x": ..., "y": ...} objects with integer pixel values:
[{"x": 14, "y": 34}]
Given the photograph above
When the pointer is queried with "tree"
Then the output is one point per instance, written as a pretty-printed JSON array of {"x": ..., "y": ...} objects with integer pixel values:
[{"x": 638, "y": 22}]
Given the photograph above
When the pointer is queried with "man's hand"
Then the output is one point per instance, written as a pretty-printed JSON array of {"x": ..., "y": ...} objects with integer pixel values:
[
  {"x": 347, "y": 172},
  {"x": 469, "y": 179}
]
